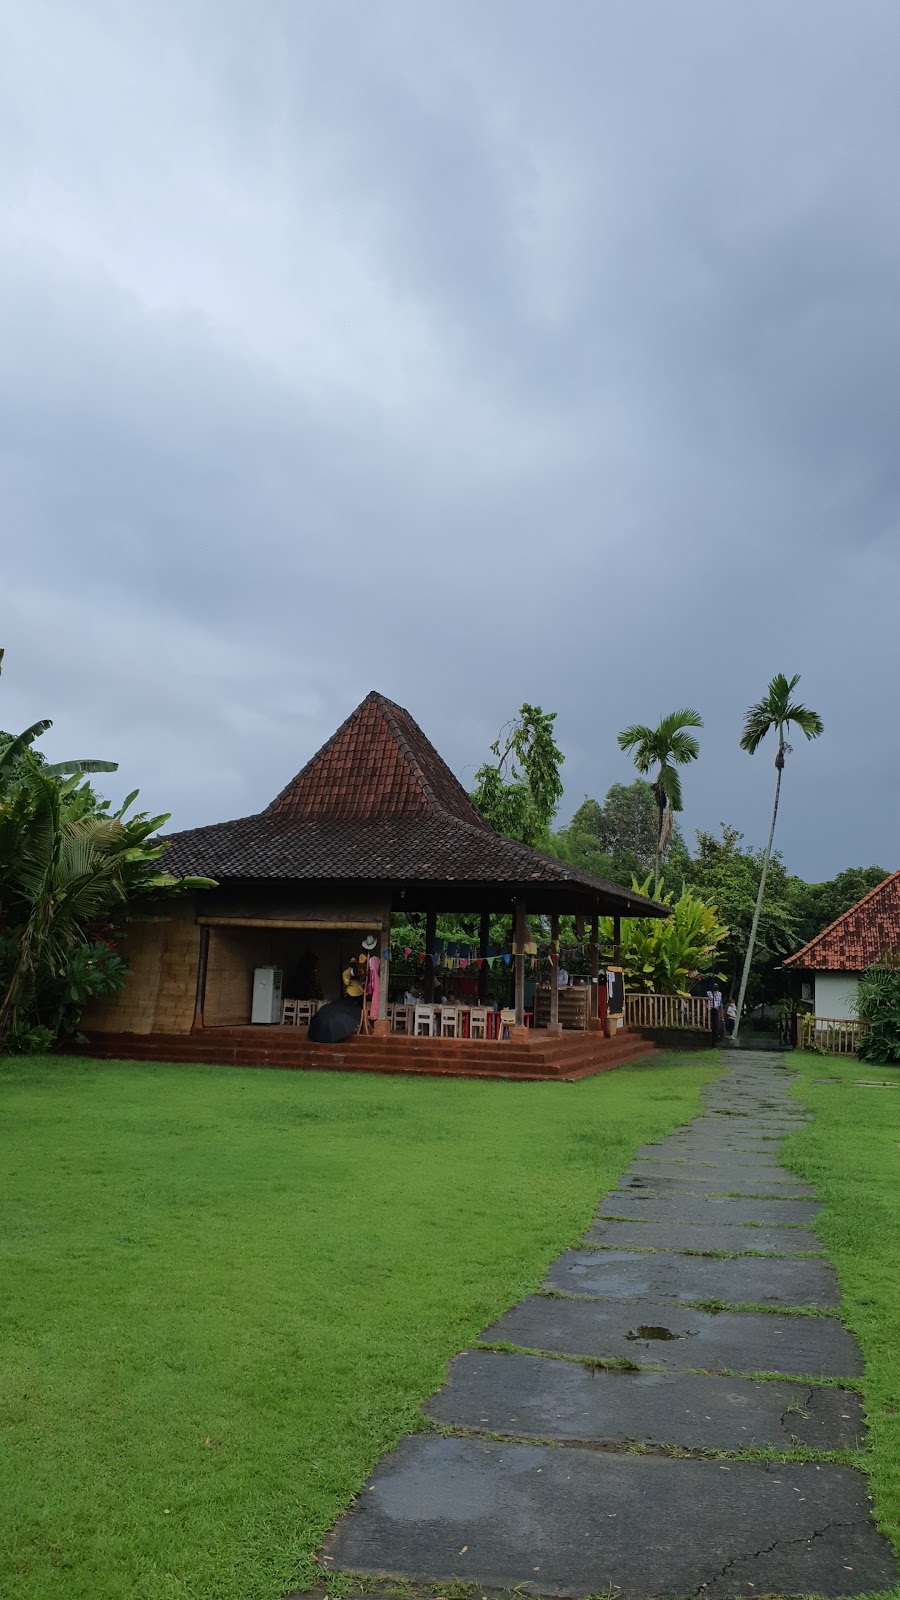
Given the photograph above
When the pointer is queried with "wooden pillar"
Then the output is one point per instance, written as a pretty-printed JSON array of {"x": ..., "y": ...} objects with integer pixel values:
[
  {"x": 202, "y": 964},
  {"x": 519, "y": 961},
  {"x": 554, "y": 975},
  {"x": 430, "y": 937},
  {"x": 484, "y": 929},
  {"x": 382, "y": 1025},
  {"x": 617, "y": 941},
  {"x": 595, "y": 966}
]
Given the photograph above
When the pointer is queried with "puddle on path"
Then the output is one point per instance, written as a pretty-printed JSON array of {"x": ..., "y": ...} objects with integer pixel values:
[{"x": 647, "y": 1331}]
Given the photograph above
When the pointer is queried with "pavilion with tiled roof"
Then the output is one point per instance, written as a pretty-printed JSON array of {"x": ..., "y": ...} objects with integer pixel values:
[
  {"x": 851, "y": 943},
  {"x": 374, "y": 823}
]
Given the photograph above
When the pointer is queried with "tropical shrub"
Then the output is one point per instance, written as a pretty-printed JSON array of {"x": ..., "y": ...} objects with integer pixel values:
[
  {"x": 67, "y": 864},
  {"x": 878, "y": 1006},
  {"x": 665, "y": 955}
]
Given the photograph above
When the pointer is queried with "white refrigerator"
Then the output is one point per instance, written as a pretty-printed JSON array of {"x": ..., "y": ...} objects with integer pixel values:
[{"x": 266, "y": 995}]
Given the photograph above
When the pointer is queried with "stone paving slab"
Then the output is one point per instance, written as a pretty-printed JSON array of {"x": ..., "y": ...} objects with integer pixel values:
[
  {"x": 749, "y": 1131},
  {"x": 772, "y": 1182},
  {"x": 700, "y": 1236},
  {"x": 712, "y": 1159},
  {"x": 637, "y": 1206},
  {"x": 710, "y": 1146},
  {"x": 574, "y": 1522},
  {"x": 736, "y": 1104},
  {"x": 680, "y": 1337},
  {"x": 532, "y": 1396},
  {"x": 734, "y": 1110},
  {"x": 748, "y": 1280}
]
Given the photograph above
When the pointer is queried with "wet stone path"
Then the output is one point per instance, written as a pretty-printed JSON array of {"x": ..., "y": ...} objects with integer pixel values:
[{"x": 604, "y": 1453}]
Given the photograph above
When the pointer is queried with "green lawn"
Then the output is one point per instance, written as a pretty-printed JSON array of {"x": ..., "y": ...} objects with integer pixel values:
[
  {"x": 223, "y": 1293},
  {"x": 851, "y": 1152}
]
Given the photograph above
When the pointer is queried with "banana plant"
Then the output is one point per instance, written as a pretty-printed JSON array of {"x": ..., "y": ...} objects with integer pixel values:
[{"x": 665, "y": 955}]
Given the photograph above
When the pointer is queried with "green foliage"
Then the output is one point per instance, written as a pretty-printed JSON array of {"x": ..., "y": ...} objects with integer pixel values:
[
  {"x": 777, "y": 712},
  {"x": 519, "y": 792},
  {"x": 94, "y": 969},
  {"x": 878, "y": 1005},
  {"x": 617, "y": 840},
  {"x": 31, "y": 1040},
  {"x": 665, "y": 955},
  {"x": 66, "y": 863},
  {"x": 728, "y": 876},
  {"x": 666, "y": 748}
]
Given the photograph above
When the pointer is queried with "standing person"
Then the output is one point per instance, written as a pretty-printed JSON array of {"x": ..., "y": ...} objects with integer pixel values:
[
  {"x": 730, "y": 1018},
  {"x": 714, "y": 996}
]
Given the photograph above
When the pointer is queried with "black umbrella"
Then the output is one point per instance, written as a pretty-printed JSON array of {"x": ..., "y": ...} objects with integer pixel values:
[{"x": 335, "y": 1022}]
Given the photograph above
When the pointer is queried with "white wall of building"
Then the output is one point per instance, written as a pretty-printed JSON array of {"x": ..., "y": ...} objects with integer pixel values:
[{"x": 836, "y": 995}]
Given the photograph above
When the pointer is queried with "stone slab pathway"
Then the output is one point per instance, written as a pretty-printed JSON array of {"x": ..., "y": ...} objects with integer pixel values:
[{"x": 559, "y": 1475}]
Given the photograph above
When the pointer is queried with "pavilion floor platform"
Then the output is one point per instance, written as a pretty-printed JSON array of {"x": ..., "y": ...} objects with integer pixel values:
[{"x": 564, "y": 1057}]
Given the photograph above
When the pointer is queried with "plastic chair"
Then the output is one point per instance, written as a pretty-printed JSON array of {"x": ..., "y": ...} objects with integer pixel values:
[
  {"x": 289, "y": 1010},
  {"x": 478, "y": 1022},
  {"x": 423, "y": 1022},
  {"x": 400, "y": 1017},
  {"x": 451, "y": 1022},
  {"x": 507, "y": 1021}
]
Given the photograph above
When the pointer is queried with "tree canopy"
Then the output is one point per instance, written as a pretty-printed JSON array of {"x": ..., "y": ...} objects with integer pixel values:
[{"x": 519, "y": 791}]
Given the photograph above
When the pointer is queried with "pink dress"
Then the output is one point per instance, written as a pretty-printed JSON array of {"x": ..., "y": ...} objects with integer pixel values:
[{"x": 373, "y": 987}]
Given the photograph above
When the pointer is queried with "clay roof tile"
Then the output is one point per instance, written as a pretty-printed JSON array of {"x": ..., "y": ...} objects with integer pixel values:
[{"x": 859, "y": 936}]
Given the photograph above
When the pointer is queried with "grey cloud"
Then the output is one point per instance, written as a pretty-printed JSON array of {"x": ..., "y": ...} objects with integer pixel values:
[{"x": 476, "y": 354}]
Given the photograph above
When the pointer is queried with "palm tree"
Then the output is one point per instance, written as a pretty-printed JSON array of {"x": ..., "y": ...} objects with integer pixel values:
[
  {"x": 666, "y": 748},
  {"x": 779, "y": 712}
]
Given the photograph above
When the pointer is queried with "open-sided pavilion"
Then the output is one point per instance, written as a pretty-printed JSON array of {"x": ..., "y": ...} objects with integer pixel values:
[{"x": 374, "y": 825}]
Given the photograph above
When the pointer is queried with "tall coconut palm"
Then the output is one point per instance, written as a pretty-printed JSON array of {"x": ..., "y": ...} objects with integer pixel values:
[
  {"x": 664, "y": 749},
  {"x": 777, "y": 713}
]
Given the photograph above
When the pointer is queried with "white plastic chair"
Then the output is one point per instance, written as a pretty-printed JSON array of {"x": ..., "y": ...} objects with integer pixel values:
[
  {"x": 423, "y": 1022},
  {"x": 451, "y": 1022},
  {"x": 478, "y": 1022},
  {"x": 400, "y": 1017},
  {"x": 507, "y": 1021},
  {"x": 289, "y": 1010}
]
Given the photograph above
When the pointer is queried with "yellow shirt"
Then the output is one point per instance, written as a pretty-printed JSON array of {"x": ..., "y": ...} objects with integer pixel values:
[{"x": 353, "y": 986}]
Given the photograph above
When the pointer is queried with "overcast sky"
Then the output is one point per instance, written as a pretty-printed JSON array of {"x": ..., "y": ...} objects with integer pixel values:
[{"x": 477, "y": 353}]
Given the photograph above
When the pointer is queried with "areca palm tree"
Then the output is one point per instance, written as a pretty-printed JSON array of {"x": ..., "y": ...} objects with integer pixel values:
[
  {"x": 665, "y": 749},
  {"x": 777, "y": 713}
]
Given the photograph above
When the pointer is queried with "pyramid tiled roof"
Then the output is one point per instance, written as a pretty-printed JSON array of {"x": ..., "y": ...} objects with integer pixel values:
[
  {"x": 378, "y": 804},
  {"x": 378, "y": 764},
  {"x": 858, "y": 937}
]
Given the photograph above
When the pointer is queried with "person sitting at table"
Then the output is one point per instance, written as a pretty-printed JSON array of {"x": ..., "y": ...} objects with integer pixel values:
[{"x": 413, "y": 997}]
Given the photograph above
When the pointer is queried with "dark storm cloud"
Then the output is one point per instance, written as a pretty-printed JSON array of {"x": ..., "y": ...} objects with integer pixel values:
[{"x": 476, "y": 354}]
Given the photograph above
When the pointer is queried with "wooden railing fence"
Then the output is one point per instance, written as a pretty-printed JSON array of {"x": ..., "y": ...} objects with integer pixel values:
[
  {"x": 833, "y": 1034},
  {"x": 667, "y": 1011}
]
